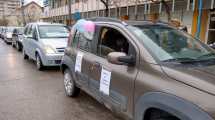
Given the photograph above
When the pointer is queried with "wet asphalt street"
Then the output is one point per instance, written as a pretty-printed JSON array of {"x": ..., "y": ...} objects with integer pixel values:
[{"x": 28, "y": 94}]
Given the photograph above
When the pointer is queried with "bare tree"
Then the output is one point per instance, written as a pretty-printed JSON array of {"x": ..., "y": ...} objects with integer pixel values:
[
  {"x": 106, "y": 4},
  {"x": 32, "y": 14},
  {"x": 166, "y": 6}
]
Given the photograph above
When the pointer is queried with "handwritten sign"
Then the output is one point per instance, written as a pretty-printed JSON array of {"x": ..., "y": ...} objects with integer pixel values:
[
  {"x": 105, "y": 81},
  {"x": 78, "y": 62}
]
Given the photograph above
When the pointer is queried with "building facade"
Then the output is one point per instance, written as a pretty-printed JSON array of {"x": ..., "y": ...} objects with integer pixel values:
[
  {"x": 197, "y": 15},
  {"x": 7, "y": 7},
  {"x": 32, "y": 13},
  {"x": 7, "y": 10}
]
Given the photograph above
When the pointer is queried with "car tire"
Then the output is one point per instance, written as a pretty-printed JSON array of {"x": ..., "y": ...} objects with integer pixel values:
[
  {"x": 70, "y": 87},
  {"x": 25, "y": 56},
  {"x": 6, "y": 42},
  {"x": 39, "y": 63},
  {"x": 18, "y": 47}
]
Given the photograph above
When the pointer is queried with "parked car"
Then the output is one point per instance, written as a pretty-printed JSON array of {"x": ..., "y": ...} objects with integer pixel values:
[
  {"x": 3, "y": 29},
  {"x": 17, "y": 38},
  {"x": 8, "y": 35},
  {"x": 45, "y": 43},
  {"x": 142, "y": 70}
]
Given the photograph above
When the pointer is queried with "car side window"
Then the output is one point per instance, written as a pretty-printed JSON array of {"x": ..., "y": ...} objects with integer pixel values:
[
  {"x": 81, "y": 42},
  {"x": 34, "y": 30},
  {"x": 75, "y": 38},
  {"x": 26, "y": 30},
  {"x": 30, "y": 32},
  {"x": 111, "y": 40}
]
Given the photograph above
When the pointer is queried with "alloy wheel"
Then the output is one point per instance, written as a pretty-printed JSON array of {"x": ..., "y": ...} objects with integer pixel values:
[{"x": 68, "y": 84}]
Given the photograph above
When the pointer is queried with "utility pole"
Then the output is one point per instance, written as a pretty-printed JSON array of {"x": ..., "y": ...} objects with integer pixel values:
[
  {"x": 70, "y": 13},
  {"x": 23, "y": 12}
]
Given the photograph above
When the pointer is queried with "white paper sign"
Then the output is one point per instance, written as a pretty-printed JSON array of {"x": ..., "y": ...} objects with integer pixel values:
[
  {"x": 78, "y": 62},
  {"x": 105, "y": 81}
]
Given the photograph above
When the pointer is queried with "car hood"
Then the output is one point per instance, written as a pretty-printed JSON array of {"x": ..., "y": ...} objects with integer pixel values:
[
  {"x": 55, "y": 42},
  {"x": 202, "y": 78}
]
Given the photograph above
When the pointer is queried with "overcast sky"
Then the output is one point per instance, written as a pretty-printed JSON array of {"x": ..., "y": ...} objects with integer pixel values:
[{"x": 38, "y": 1}]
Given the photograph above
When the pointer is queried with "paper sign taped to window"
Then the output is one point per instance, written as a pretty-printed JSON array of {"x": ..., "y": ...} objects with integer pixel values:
[
  {"x": 78, "y": 62},
  {"x": 105, "y": 81}
]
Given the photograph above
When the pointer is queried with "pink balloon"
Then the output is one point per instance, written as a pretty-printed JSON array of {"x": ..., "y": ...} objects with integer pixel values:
[{"x": 89, "y": 26}]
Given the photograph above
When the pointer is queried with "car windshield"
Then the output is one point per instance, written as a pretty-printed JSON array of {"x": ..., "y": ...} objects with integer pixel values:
[
  {"x": 10, "y": 29},
  {"x": 53, "y": 31},
  {"x": 168, "y": 44}
]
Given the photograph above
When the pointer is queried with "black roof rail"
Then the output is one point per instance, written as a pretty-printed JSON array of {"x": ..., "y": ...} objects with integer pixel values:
[{"x": 104, "y": 19}]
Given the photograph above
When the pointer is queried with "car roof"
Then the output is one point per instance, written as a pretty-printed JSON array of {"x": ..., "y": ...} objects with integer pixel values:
[{"x": 136, "y": 22}]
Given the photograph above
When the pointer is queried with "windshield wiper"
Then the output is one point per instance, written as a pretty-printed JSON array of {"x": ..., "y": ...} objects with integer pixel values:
[{"x": 181, "y": 60}]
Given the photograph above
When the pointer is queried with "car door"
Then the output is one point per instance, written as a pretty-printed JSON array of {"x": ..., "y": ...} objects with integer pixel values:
[
  {"x": 14, "y": 34},
  {"x": 30, "y": 42},
  {"x": 79, "y": 51},
  {"x": 26, "y": 40},
  {"x": 117, "y": 92},
  {"x": 34, "y": 42}
]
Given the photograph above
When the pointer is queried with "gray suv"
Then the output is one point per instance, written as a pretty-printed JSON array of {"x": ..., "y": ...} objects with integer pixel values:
[
  {"x": 142, "y": 70},
  {"x": 45, "y": 43}
]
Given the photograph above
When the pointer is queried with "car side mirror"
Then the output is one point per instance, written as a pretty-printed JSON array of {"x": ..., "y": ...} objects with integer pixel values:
[{"x": 120, "y": 58}]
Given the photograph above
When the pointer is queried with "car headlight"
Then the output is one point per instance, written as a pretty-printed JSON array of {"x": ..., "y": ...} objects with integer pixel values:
[
  {"x": 49, "y": 50},
  {"x": 9, "y": 35}
]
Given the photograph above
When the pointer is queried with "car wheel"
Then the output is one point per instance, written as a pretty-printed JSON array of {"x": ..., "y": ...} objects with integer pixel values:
[
  {"x": 69, "y": 84},
  {"x": 25, "y": 56},
  {"x": 39, "y": 62},
  {"x": 6, "y": 42}
]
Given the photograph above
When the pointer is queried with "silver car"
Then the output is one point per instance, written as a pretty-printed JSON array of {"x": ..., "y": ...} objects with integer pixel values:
[
  {"x": 45, "y": 43},
  {"x": 8, "y": 35}
]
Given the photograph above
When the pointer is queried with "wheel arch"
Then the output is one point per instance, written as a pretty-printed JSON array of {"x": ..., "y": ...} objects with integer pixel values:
[
  {"x": 37, "y": 51},
  {"x": 63, "y": 67},
  {"x": 172, "y": 104},
  {"x": 67, "y": 62}
]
